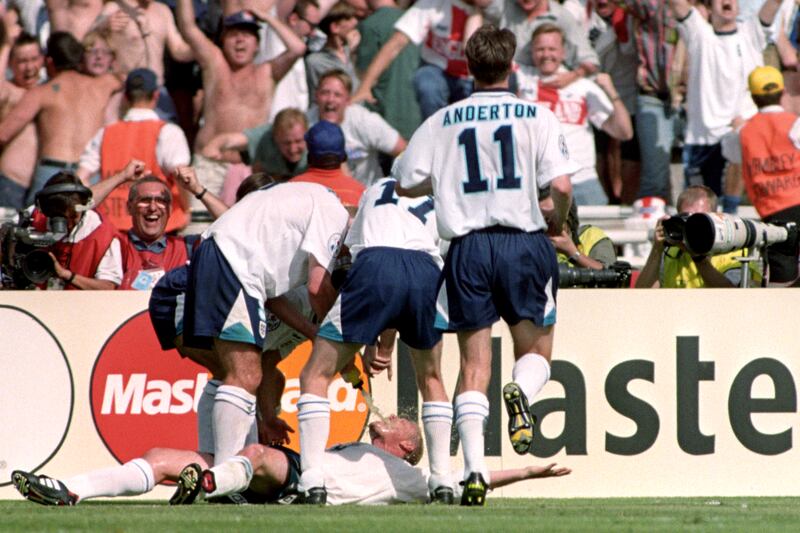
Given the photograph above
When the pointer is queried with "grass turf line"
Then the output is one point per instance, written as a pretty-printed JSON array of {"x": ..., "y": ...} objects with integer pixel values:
[{"x": 595, "y": 515}]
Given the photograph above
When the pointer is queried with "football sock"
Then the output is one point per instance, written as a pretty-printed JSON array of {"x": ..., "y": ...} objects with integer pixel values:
[
  {"x": 472, "y": 410},
  {"x": 231, "y": 476},
  {"x": 437, "y": 422},
  {"x": 531, "y": 372},
  {"x": 205, "y": 417},
  {"x": 314, "y": 418},
  {"x": 234, "y": 415},
  {"x": 132, "y": 478}
]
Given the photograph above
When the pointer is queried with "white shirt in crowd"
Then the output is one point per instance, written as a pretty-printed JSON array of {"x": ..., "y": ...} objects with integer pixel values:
[
  {"x": 268, "y": 236},
  {"x": 577, "y": 106},
  {"x": 719, "y": 64},
  {"x": 506, "y": 147}
]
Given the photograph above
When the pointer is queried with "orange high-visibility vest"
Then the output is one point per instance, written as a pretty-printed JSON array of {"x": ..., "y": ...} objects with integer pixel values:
[
  {"x": 770, "y": 162},
  {"x": 123, "y": 141}
]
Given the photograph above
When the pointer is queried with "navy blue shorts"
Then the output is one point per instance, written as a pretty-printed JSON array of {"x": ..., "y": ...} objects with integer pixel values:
[
  {"x": 386, "y": 288},
  {"x": 498, "y": 272},
  {"x": 217, "y": 305},
  {"x": 166, "y": 306},
  {"x": 285, "y": 494}
]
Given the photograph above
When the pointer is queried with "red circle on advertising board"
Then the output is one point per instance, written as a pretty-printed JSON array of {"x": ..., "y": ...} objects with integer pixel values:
[{"x": 143, "y": 397}]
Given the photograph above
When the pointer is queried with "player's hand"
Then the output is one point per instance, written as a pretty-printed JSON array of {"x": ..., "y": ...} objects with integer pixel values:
[
  {"x": 376, "y": 360},
  {"x": 274, "y": 431},
  {"x": 551, "y": 470},
  {"x": 363, "y": 95}
]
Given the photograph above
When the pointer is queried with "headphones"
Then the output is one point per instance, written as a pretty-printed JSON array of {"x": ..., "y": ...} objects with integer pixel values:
[{"x": 63, "y": 188}]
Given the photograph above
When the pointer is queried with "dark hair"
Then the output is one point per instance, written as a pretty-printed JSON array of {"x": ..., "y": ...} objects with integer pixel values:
[
  {"x": 65, "y": 51},
  {"x": 489, "y": 53},
  {"x": 325, "y": 161},
  {"x": 59, "y": 204},
  {"x": 133, "y": 192},
  {"x": 24, "y": 39},
  {"x": 253, "y": 182},
  {"x": 340, "y": 75},
  {"x": 340, "y": 11},
  {"x": 767, "y": 99},
  {"x": 135, "y": 92}
]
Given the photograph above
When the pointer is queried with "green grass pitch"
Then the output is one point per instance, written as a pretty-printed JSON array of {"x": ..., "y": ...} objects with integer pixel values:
[{"x": 500, "y": 515}]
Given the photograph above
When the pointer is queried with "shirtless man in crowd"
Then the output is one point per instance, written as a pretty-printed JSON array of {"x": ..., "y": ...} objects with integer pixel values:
[
  {"x": 237, "y": 93},
  {"x": 68, "y": 110},
  {"x": 18, "y": 158},
  {"x": 73, "y": 16}
]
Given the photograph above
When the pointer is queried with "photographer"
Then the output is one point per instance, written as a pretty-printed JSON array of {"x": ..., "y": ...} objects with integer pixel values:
[
  {"x": 88, "y": 256},
  {"x": 670, "y": 265}
]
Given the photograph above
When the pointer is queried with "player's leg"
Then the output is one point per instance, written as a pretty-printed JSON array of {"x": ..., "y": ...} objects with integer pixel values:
[
  {"x": 262, "y": 469},
  {"x": 314, "y": 412}
]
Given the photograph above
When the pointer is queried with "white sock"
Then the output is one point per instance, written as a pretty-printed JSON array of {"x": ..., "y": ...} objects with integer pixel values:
[
  {"x": 314, "y": 418},
  {"x": 472, "y": 410},
  {"x": 531, "y": 372},
  {"x": 234, "y": 414},
  {"x": 205, "y": 417},
  {"x": 233, "y": 475},
  {"x": 437, "y": 421},
  {"x": 132, "y": 478}
]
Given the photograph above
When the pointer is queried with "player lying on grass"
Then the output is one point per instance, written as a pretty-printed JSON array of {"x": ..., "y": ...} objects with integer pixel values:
[{"x": 360, "y": 473}]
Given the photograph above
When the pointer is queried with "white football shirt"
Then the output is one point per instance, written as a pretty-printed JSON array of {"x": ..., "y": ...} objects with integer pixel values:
[
  {"x": 384, "y": 219},
  {"x": 268, "y": 236},
  {"x": 487, "y": 156}
]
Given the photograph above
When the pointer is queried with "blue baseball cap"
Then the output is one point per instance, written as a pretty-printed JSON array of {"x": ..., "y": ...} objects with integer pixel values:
[
  {"x": 326, "y": 138},
  {"x": 142, "y": 79},
  {"x": 242, "y": 19}
]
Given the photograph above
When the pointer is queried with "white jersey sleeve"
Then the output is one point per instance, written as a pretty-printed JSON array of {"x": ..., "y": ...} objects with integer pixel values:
[
  {"x": 598, "y": 104},
  {"x": 384, "y": 219},
  {"x": 360, "y": 473},
  {"x": 325, "y": 230},
  {"x": 416, "y": 22}
]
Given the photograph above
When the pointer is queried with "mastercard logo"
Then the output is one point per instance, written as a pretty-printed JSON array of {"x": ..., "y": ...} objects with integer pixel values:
[{"x": 143, "y": 397}]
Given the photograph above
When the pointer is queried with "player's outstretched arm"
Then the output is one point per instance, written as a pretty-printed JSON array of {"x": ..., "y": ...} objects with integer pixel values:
[
  {"x": 388, "y": 52},
  {"x": 561, "y": 192},
  {"x": 321, "y": 293},
  {"x": 501, "y": 478}
]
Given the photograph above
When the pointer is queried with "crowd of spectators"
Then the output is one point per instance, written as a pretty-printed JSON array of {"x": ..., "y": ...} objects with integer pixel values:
[{"x": 231, "y": 87}]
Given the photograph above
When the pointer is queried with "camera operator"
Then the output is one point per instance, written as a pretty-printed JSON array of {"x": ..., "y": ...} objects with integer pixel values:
[
  {"x": 768, "y": 146},
  {"x": 670, "y": 265},
  {"x": 88, "y": 257},
  {"x": 578, "y": 246}
]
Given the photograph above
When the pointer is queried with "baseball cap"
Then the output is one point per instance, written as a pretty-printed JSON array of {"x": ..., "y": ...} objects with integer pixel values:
[
  {"x": 765, "y": 80},
  {"x": 325, "y": 138},
  {"x": 243, "y": 19},
  {"x": 141, "y": 79}
]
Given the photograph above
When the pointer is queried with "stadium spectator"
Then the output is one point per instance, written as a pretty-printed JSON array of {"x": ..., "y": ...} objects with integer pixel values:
[
  {"x": 326, "y": 154},
  {"x": 277, "y": 149},
  {"x": 237, "y": 92},
  {"x": 670, "y": 265},
  {"x": 578, "y": 106},
  {"x": 394, "y": 94},
  {"x": 98, "y": 57},
  {"x": 768, "y": 148},
  {"x": 522, "y": 17},
  {"x": 74, "y": 16},
  {"x": 18, "y": 159},
  {"x": 141, "y": 135},
  {"x": 88, "y": 257},
  {"x": 140, "y": 32},
  {"x": 721, "y": 54},
  {"x": 439, "y": 26},
  {"x": 658, "y": 101},
  {"x": 380, "y": 467},
  {"x": 339, "y": 26},
  {"x": 613, "y": 38},
  {"x": 67, "y": 110},
  {"x": 366, "y": 133}
]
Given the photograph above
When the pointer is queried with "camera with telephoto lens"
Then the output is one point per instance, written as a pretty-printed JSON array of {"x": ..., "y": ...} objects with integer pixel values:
[
  {"x": 720, "y": 233},
  {"x": 617, "y": 275},
  {"x": 24, "y": 257},
  {"x": 675, "y": 228}
]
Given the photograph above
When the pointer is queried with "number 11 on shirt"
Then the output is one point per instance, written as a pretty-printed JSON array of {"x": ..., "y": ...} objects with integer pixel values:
[{"x": 503, "y": 136}]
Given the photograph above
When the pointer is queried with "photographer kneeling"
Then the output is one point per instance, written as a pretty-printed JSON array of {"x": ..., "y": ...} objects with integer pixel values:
[{"x": 670, "y": 265}]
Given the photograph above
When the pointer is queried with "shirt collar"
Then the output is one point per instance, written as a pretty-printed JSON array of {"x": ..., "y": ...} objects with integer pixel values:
[
  {"x": 136, "y": 114},
  {"x": 156, "y": 247}
]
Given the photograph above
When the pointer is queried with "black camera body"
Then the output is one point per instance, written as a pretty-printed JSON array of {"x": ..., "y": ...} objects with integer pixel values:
[
  {"x": 618, "y": 275},
  {"x": 24, "y": 257}
]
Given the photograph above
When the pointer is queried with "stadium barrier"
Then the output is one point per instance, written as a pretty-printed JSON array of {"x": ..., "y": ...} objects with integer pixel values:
[{"x": 653, "y": 393}]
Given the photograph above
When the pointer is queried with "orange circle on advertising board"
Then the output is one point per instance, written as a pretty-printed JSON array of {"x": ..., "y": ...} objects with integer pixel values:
[{"x": 143, "y": 397}]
